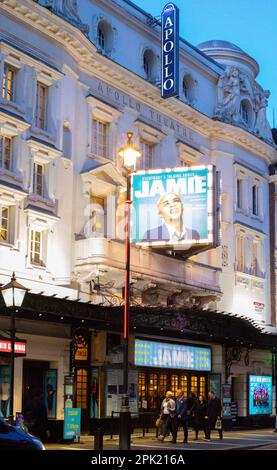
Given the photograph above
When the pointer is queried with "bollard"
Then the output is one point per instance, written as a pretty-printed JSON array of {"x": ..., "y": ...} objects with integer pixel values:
[{"x": 98, "y": 439}]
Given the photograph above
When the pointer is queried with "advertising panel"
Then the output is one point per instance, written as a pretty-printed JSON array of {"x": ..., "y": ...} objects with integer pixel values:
[
  {"x": 5, "y": 391},
  {"x": 176, "y": 356},
  {"x": 114, "y": 391},
  {"x": 50, "y": 392},
  {"x": 170, "y": 51},
  {"x": 173, "y": 207},
  {"x": 260, "y": 394},
  {"x": 215, "y": 384},
  {"x": 72, "y": 423}
]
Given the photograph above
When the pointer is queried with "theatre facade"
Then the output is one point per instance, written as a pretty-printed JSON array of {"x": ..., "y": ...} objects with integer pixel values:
[{"x": 201, "y": 317}]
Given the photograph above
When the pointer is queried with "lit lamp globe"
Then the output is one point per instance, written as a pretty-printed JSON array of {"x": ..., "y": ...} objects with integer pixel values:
[
  {"x": 129, "y": 152},
  {"x": 13, "y": 293}
]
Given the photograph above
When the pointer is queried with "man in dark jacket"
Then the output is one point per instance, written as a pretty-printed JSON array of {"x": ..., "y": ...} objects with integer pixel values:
[
  {"x": 213, "y": 413},
  {"x": 182, "y": 413}
]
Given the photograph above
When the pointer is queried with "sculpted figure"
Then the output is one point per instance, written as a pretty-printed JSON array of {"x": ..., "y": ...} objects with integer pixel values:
[
  {"x": 70, "y": 9},
  {"x": 262, "y": 126},
  {"x": 229, "y": 96}
]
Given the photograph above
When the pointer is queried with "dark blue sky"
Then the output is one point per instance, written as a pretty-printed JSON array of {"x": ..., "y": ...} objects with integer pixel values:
[{"x": 250, "y": 24}]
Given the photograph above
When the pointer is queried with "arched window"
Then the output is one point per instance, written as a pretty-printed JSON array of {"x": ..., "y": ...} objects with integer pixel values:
[
  {"x": 246, "y": 112},
  {"x": 189, "y": 88},
  {"x": 101, "y": 38},
  {"x": 149, "y": 65},
  {"x": 104, "y": 37}
]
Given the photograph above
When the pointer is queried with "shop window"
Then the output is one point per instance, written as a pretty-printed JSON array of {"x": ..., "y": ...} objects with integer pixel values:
[
  {"x": 174, "y": 386},
  {"x": 142, "y": 389},
  {"x": 153, "y": 391},
  {"x": 81, "y": 389},
  {"x": 202, "y": 386},
  {"x": 184, "y": 385},
  {"x": 162, "y": 386},
  {"x": 193, "y": 385}
]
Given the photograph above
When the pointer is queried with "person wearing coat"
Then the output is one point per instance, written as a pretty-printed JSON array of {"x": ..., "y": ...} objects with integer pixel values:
[
  {"x": 182, "y": 414},
  {"x": 168, "y": 417},
  {"x": 200, "y": 411},
  {"x": 213, "y": 413}
]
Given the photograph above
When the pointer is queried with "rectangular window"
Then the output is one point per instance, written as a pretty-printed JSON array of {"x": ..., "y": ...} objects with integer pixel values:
[
  {"x": 5, "y": 216},
  {"x": 98, "y": 216},
  {"x": 255, "y": 201},
  {"x": 240, "y": 254},
  {"x": 239, "y": 193},
  {"x": 147, "y": 155},
  {"x": 99, "y": 138},
  {"x": 38, "y": 177},
  {"x": 41, "y": 105},
  {"x": 6, "y": 153},
  {"x": 8, "y": 84},
  {"x": 36, "y": 247},
  {"x": 255, "y": 258}
]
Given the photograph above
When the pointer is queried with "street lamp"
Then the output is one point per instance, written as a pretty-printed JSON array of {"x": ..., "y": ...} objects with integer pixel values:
[
  {"x": 129, "y": 153},
  {"x": 13, "y": 294}
]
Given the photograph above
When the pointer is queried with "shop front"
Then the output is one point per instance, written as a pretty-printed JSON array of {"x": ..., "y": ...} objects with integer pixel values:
[{"x": 170, "y": 366}]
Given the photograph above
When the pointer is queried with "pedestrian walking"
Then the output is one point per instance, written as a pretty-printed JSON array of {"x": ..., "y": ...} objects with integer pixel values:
[
  {"x": 200, "y": 411},
  {"x": 182, "y": 413},
  {"x": 168, "y": 417},
  {"x": 191, "y": 406},
  {"x": 36, "y": 416},
  {"x": 213, "y": 415}
]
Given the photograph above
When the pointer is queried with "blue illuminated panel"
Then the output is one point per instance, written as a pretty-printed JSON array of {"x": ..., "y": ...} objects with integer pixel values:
[
  {"x": 172, "y": 356},
  {"x": 260, "y": 394}
]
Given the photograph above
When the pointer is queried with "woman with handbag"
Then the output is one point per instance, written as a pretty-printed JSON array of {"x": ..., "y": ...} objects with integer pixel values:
[{"x": 168, "y": 417}]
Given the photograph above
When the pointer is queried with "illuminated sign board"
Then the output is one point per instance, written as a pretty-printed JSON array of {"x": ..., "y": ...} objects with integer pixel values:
[
  {"x": 176, "y": 356},
  {"x": 19, "y": 347},
  {"x": 170, "y": 51},
  {"x": 174, "y": 207},
  {"x": 260, "y": 394}
]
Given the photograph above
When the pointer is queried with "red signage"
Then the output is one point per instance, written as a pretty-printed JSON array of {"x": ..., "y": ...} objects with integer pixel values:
[{"x": 19, "y": 347}]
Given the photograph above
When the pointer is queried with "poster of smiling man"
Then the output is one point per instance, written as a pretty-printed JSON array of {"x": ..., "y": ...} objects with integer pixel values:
[{"x": 173, "y": 207}]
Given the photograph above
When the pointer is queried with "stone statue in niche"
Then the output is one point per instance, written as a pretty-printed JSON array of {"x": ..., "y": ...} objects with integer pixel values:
[
  {"x": 229, "y": 96},
  {"x": 262, "y": 127}
]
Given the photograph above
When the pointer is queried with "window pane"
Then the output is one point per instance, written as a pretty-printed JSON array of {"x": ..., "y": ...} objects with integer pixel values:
[
  {"x": 4, "y": 224},
  {"x": 8, "y": 83}
]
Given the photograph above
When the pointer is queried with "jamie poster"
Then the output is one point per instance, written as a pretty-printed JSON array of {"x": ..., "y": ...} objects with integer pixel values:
[
  {"x": 50, "y": 392},
  {"x": 173, "y": 207},
  {"x": 94, "y": 402},
  {"x": 260, "y": 395}
]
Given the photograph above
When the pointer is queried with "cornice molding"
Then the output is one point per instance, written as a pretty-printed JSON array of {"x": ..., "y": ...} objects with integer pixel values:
[{"x": 101, "y": 67}]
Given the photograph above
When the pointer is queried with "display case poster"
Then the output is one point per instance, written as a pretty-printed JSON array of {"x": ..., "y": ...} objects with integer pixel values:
[
  {"x": 226, "y": 400},
  {"x": 94, "y": 395},
  {"x": 50, "y": 392},
  {"x": 4, "y": 391},
  {"x": 72, "y": 423},
  {"x": 260, "y": 395},
  {"x": 215, "y": 384},
  {"x": 114, "y": 391}
]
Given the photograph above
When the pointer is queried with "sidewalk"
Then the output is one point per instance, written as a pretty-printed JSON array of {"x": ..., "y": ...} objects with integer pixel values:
[{"x": 232, "y": 440}]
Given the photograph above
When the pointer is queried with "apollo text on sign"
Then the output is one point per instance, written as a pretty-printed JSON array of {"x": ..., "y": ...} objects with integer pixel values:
[{"x": 170, "y": 51}]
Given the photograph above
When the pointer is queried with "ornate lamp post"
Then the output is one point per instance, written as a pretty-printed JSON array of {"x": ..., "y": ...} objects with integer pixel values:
[
  {"x": 13, "y": 294},
  {"x": 129, "y": 154}
]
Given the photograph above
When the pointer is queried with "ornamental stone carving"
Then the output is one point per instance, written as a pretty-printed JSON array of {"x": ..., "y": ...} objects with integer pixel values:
[
  {"x": 241, "y": 101},
  {"x": 67, "y": 9}
]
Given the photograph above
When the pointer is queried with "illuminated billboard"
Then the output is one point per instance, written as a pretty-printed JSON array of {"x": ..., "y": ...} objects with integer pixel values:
[
  {"x": 176, "y": 356},
  {"x": 260, "y": 394},
  {"x": 174, "y": 207}
]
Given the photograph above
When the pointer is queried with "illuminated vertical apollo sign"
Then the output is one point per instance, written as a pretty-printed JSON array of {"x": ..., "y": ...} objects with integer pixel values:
[{"x": 170, "y": 51}]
